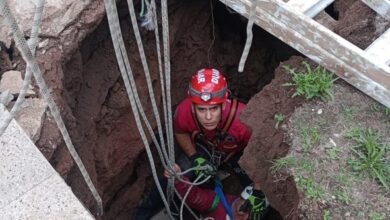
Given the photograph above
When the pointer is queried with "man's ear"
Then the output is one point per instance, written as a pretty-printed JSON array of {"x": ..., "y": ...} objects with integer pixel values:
[
  {"x": 193, "y": 108},
  {"x": 223, "y": 106}
]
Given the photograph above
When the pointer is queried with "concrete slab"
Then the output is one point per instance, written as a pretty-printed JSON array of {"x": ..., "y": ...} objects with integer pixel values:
[{"x": 29, "y": 187}]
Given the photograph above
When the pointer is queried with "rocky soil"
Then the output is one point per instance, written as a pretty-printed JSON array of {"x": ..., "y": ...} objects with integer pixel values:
[{"x": 79, "y": 65}]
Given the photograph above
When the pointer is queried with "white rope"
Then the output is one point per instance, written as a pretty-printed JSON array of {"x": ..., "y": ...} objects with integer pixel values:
[
  {"x": 27, "y": 78},
  {"x": 125, "y": 70},
  {"x": 249, "y": 36},
  {"x": 145, "y": 66},
  {"x": 160, "y": 70},
  {"x": 31, "y": 61},
  {"x": 167, "y": 65}
]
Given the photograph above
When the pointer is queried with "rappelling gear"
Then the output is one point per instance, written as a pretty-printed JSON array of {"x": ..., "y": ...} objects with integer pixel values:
[
  {"x": 199, "y": 161},
  {"x": 208, "y": 87},
  {"x": 255, "y": 203}
]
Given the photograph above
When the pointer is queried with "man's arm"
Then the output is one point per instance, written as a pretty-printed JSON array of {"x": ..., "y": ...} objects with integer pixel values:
[{"x": 185, "y": 143}]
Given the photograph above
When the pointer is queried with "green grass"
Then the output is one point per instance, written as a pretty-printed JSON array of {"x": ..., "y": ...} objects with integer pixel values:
[
  {"x": 309, "y": 188},
  {"x": 370, "y": 155},
  {"x": 278, "y": 119},
  {"x": 348, "y": 111},
  {"x": 312, "y": 83},
  {"x": 343, "y": 196},
  {"x": 326, "y": 215},
  {"x": 310, "y": 137},
  {"x": 283, "y": 163},
  {"x": 333, "y": 153},
  {"x": 376, "y": 216}
]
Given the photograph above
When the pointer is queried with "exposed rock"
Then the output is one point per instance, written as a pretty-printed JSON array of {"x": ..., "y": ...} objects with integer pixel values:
[
  {"x": 31, "y": 116},
  {"x": 12, "y": 81},
  {"x": 6, "y": 97}
]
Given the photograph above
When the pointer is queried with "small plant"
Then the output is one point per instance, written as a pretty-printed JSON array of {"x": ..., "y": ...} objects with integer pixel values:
[
  {"x": 326, "y": 215},
  {"x": 310, "y": 137},
  {"x": 278, "y": 119},
  {"x": 283, "y": 163},
  {"x": 387, "y": 111},
  {"x": 370, "y": 155},
  {"x": 348, "y": 111},
  {"x": 342, "y": 196},
  {"x": 376, "y": 216},
  {"x": 312, "y": 83},
  {"x": 309, "y": 188},
  {"x": 333, "y": 153}
]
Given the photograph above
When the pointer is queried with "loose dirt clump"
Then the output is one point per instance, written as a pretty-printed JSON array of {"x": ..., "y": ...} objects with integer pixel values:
[{"x": 321, "y": 155}]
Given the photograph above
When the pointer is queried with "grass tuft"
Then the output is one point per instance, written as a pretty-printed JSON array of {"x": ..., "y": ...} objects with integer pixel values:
[
  {"x": 370, "y": 155},
  {"x": 312, "y": 83}
]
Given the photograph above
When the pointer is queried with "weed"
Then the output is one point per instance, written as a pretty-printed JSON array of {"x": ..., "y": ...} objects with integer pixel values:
[
  {"x": 333, "y": 153},
  {"x": 310, "y": 137},
  {"x": 326, "y": 215},
  {"x": 376, "y": 216},
  {"x": 306, "y": 166},
  {"x": 387, "y": 111},
  {"x": 348, "y": 112},
  {"x": 370, "y": 155},
  {"x": 283, "y": 163},
  {"x": 278, "y": 119},
  {"x": 309, "y": 188},
  {"x": 312, "y": 83},
  {"x": 342, "y": 196}
]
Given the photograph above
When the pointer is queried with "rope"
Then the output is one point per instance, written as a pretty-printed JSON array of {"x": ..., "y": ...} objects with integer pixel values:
[
  {"x": 148, "y": 80},
  {"x": 162, "y": 83},
  {"x": 249, "y": 37},
  {"x": 27, "y": 78},
  {"x": 213, "y": 26},
  {"x": 31, "y": 61},
  {"x": 167, "y": 65},
  {"x": 125, "y": 70}
]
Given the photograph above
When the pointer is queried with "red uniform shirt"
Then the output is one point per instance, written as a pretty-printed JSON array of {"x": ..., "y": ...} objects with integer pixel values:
[{"x": 237, "y": 136}]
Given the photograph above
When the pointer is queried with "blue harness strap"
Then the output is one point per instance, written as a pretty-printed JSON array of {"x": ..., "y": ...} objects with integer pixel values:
[{"x": 219, "y": 192}]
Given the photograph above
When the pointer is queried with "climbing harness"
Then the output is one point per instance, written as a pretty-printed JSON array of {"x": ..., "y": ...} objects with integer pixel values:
[{"x": 28, "y": 56}]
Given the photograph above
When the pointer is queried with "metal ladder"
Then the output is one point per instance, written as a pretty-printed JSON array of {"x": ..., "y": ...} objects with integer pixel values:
[{"x": 305, "y": 26}]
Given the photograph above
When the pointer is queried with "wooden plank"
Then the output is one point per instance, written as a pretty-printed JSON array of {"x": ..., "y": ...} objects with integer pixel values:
[
  {"x": 379, "y": 50},
  {"x": 382, "y": 7},
  {"x": 321, "y": 45},
  {"x": 310, "y": 7}
]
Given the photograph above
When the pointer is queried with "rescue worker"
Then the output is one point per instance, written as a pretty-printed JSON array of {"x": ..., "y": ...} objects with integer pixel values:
[
  {"x": 208, "y": 131},
  {"x": 206, "y": 125},
  {"x": 210, "y": 204}
]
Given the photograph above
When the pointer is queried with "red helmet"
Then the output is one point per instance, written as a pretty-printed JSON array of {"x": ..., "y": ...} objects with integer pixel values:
[{"x": 208, "y": 87}]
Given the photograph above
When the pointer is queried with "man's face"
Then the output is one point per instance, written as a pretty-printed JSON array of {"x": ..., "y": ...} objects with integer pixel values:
[{"x": 208, "y": 115}]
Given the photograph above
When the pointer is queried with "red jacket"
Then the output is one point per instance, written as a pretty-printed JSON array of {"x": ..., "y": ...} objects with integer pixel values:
[
  {"x": 201, "y": 199},
  {"x": 236, "y": 139}
]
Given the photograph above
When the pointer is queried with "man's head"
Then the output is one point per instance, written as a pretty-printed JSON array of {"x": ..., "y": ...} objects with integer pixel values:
[{"x": 208, "y": 93}]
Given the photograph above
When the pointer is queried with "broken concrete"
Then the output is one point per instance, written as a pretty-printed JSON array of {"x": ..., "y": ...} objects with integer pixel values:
[{"x": 12, "y": 81}]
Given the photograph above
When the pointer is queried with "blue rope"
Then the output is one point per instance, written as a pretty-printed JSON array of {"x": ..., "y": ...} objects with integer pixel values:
[{"x": 222, "y": 198}]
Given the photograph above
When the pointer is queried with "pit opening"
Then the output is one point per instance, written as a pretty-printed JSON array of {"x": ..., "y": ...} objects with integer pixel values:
[{"x": 202, "y": 34}]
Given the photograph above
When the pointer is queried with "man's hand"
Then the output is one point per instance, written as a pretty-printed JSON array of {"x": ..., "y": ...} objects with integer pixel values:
[
  {"x": 202, "y": 165},
  {"x": 255, "y": 203}
]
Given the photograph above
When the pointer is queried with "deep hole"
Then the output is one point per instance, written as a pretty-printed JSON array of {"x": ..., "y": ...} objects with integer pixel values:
[
  {"x": 332, "y": 12},
  {"x": 98, "y": 98}
]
